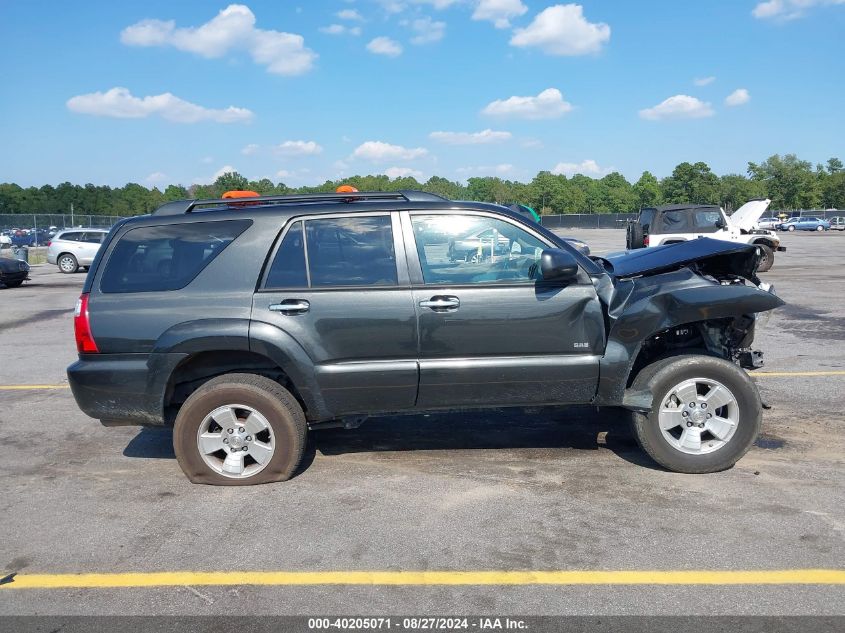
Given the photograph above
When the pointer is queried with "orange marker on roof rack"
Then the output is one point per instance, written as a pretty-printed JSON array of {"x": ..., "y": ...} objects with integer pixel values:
[
  {"x": 237, "y": 193},
  {"x": 346, "y": 189}
]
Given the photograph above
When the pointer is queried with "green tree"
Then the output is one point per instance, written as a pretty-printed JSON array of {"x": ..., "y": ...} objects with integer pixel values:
[
  {"x": 647, "y": 191},
  {"x": 691, "y": 183},
  {"x": 788, "y": 181}
]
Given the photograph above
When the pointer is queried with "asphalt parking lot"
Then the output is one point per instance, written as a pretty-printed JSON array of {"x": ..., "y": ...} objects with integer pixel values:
[{"x": 486, "y": 492}]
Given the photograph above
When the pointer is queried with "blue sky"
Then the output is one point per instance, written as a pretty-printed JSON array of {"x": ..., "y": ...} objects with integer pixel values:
[{"x": 116, "y": 92}]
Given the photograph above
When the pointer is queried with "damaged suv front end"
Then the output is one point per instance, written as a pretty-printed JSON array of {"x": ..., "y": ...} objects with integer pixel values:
[{"x": 700, "y": 296}]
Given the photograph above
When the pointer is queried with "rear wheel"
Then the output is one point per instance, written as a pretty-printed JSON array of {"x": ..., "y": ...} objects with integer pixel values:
[
  {"x": 820, "y": 228},
  {"x": 767, "y": 258},
  {"x": 67, "y": 263},
  {"x": 706, "y": 413},
  {"x": 12, "y": 284},
  {"x": 635, "y": 237},
  {"x": 790, "y": 228},
  {"x": 239, "y": 429}
]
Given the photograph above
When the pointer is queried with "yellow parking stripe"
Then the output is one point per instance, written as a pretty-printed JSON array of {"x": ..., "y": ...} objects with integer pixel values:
[
  {"x": 779, "y": 374},
  {"x": 303, "y": 578},
  {"x": 31, "y": 387}
]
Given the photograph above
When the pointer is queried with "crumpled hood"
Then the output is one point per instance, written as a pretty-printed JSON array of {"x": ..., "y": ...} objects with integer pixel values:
[
  {"x": 747, "y": 215},
  {"x": 720, "y": 257}
]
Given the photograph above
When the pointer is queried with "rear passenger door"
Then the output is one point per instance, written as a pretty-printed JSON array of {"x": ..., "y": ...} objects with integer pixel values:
[
  {"x": 90, "y": 244},
  {"x": 338, "y": 286}
]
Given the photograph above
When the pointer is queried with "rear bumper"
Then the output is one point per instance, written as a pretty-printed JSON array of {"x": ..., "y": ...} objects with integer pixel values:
[
  {"x": 14, "y": 277},
  {"x": 123, "y": 388}
]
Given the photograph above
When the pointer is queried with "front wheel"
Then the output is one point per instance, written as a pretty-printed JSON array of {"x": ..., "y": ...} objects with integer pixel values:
[
  {"x": 12, "y": 284},
  {"x": 820, "y": 228},
  {"x": 706, "y": 413},
  {"x": 238, "y": 430},
  {"x": 790, "y": 228},
  {"x": 767, "y": 258}
]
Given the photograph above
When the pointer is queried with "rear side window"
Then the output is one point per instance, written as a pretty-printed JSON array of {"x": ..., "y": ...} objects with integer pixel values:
[
  {"x": 288, "y": 268},
  {"x": 70, "y": 237},
  {"x": 169, "y": 257},
  {"x": 352, "y": 251},
  {"x": 93, "y": 237}
]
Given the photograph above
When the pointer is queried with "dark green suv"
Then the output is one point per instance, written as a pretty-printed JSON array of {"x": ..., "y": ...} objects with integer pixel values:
[{"x": 245, "y": 323}]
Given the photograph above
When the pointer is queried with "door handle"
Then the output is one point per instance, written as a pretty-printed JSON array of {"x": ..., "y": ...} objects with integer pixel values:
[
  {"x": 442, "y": 303},
  {"x": 291, "y": 306}
]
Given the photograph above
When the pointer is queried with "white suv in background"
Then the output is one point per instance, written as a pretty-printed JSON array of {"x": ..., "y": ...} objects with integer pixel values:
[{"x": 73, "y": 249}]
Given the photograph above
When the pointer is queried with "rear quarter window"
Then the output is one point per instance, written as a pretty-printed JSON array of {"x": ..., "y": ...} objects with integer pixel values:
[{"x": 169, "y": 257}]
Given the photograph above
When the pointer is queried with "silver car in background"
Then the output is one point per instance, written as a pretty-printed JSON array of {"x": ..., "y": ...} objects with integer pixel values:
[{"x": 73, "y": 249}]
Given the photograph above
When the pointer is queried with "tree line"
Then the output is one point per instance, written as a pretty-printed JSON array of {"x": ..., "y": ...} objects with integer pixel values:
[{"x": 791, "y": 183}]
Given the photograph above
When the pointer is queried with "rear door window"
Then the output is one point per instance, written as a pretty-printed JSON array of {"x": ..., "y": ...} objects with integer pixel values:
[
  {"x": 288, "y": 267},
  {"x": 71, "y": 237},
  {"x": 169, "y": 257},
  {"x": 92, "y": 237},
  {"x": 351, "y": 251}
]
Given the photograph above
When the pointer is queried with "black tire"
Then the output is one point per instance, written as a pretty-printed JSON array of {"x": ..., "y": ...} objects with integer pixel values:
[
  {"x": 635, "y": 237},
  {"x": 273, "y": 401},
  {"x": 70, "y": 264},
  {"x": 661, "y": 377},
  {"x": 767, "y": 258}
]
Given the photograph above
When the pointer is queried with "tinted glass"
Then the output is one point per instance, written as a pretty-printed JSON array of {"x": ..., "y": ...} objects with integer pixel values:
[
  {"x": 166, "y": 257},
  {"x": 353, "y": 251},
  {"x": 71, "y": 237},
  {"x": 674, "y": 221},
  {"x": 646, "y": 218},
  {"x": 288, "y": 267},
  {"x": 705, "y": 220},
  {"x": 92, "y": 238},
  {"x": 471, "y": 249}
]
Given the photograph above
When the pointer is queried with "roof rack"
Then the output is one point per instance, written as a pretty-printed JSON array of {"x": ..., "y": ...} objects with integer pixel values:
[{"x": 179, "y": 207}]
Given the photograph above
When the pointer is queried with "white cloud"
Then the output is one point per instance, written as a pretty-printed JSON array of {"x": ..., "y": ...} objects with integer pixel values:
[
  {"x": 587, "y": 167},
  {"x": 499, "y": 12},
  {"x": 299, "y": 148},
  {"x": 549, "y": 104},
  {"x": 385, "y": 46},
  {"x": 532, "y": 143},
  {"x": 678, "y": 107},
  {"x": 427, "y": 30},
  {"x": 785, "y": 10},
  {"x": 378, "y": 151},
  {"x": 226, "y": 169},
  {"x": 486, "y": 170},
  {"x": 250, "y": 149},
  {"x": 738, "y": 97},
  {"x": 403, "y": 172},
  {"x": 563, "y": 30},
  {"x": 156, "y": 178},
  {"x": 703, "y": 81},
  {"x": 471, "y": 138},
  {"x": 121, "y": 104},
  {"x": 230, "y": 30},
  {"x": 350, "y": 14},
  {"x": 340, "y": 29}
]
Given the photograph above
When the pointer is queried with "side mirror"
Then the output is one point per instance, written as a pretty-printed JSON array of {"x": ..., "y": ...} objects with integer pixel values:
[
  {"x": 720, "y": 224},
  {"x": 558, "y": 265}
]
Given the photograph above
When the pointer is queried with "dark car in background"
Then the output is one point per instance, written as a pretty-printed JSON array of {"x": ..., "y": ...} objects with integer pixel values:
[{"x": 13, "y": 272}]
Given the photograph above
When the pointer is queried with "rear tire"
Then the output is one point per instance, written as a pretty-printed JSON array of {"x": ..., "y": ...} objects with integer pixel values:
[
  {"x": 767, "y": 258},
  {"x": 67, "y": 263},
  {"x": 635, "y": 237},
  {"x": 820, "y": 228},
  {"x": 271, "y": 423},
  {"x": 12, "y": 284},
  {"x": 728, "y": 430},
  {"x": 790, "y": 228}
]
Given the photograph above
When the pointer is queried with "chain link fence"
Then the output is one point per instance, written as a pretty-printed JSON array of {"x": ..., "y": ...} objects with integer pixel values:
[{"x": 23, "y": 229}]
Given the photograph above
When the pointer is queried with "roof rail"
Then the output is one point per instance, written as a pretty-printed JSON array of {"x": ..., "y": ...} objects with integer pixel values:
[{"x": 179, "y": 207}]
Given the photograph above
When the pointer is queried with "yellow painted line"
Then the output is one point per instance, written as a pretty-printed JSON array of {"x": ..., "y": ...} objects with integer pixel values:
[
  {"x": 302, "y": 578},
  {"x": 31, "y": 387},
  {"x": 783, "y": 374}
]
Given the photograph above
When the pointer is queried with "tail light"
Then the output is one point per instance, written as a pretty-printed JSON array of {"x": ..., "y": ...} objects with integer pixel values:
[
  {"x": 49, "y": 242},
  {"x": 82, "y": 327},
  {"x": 645, "y": 240}
]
